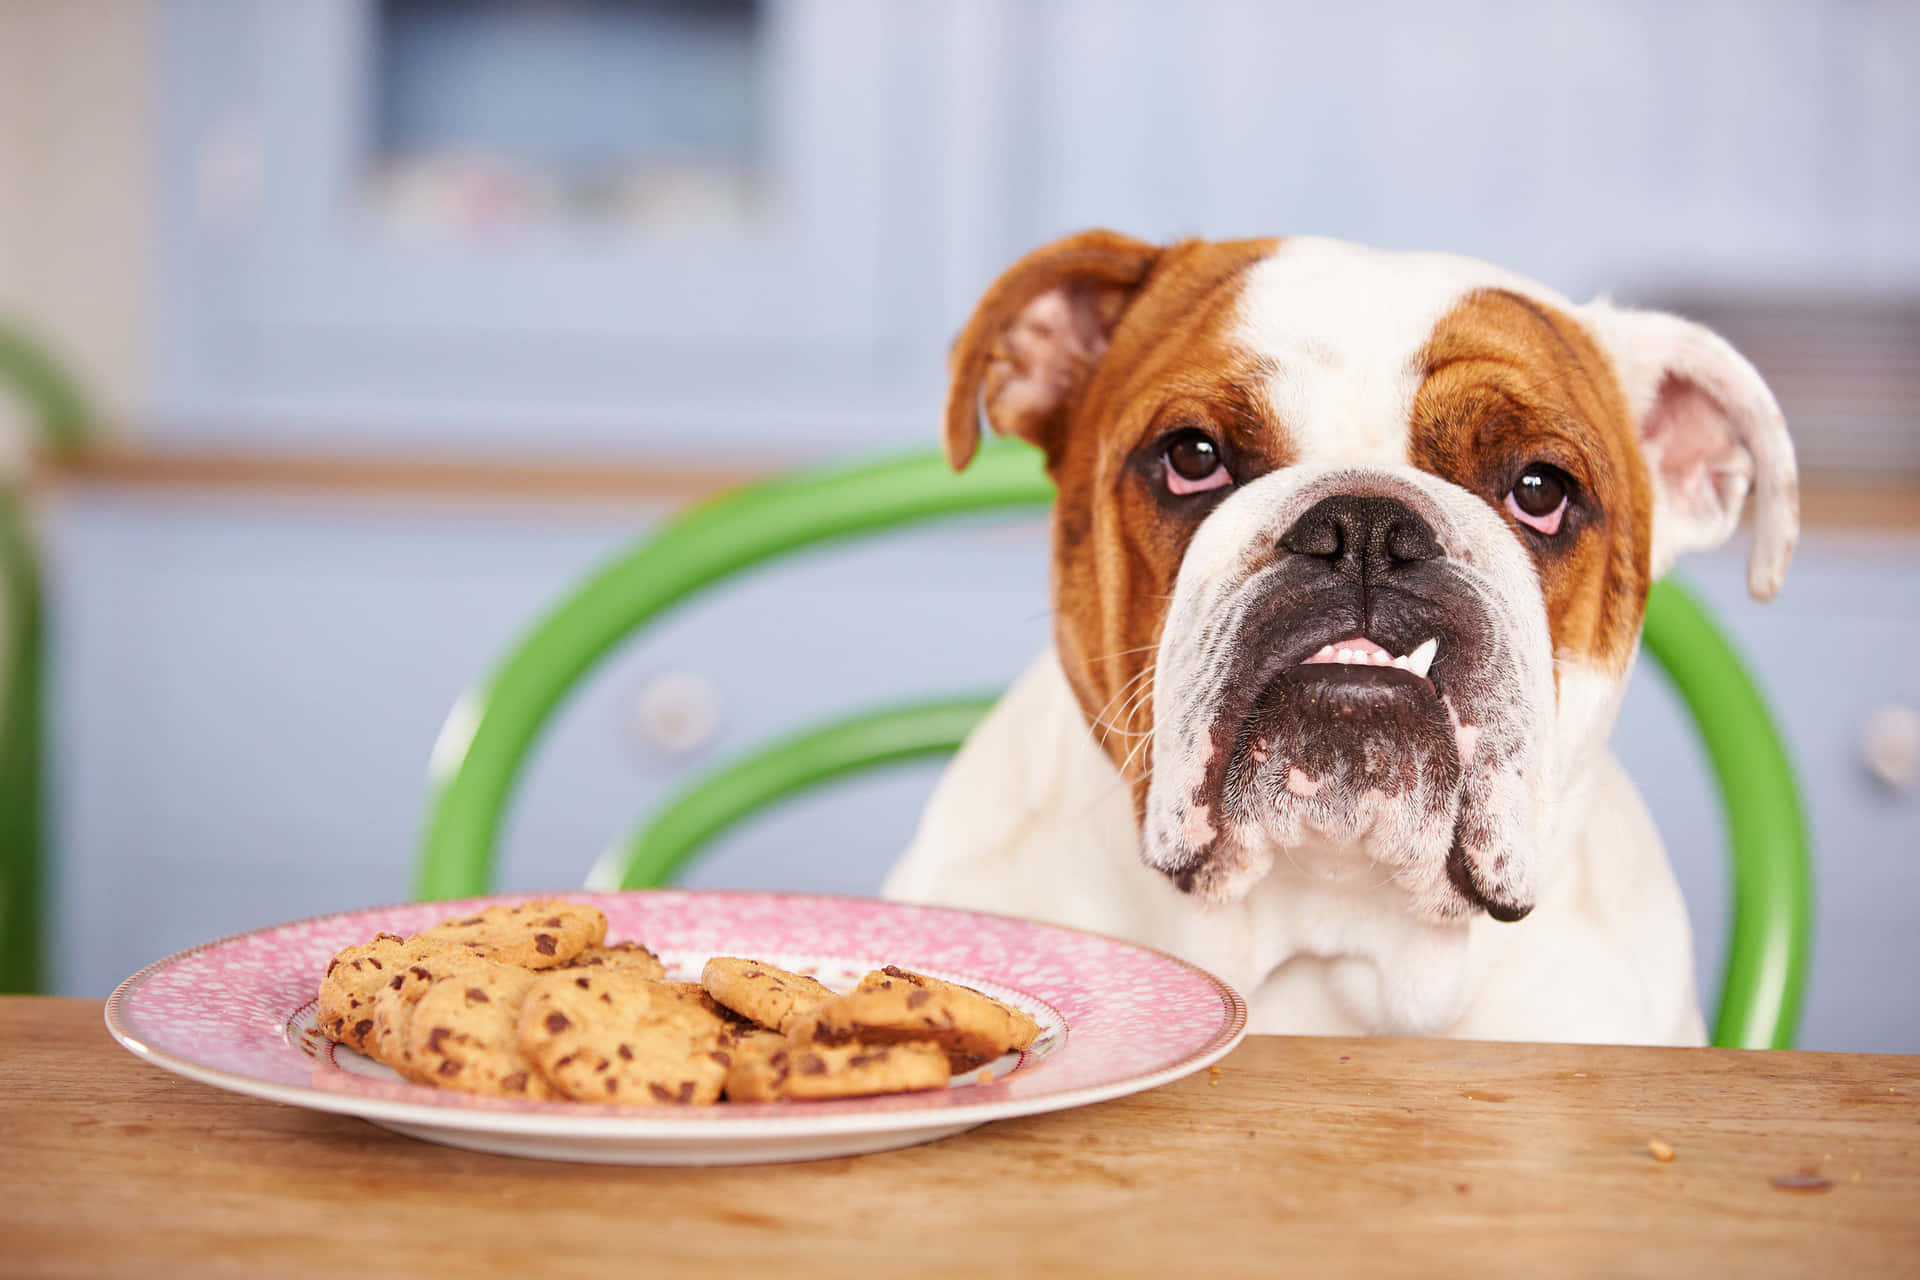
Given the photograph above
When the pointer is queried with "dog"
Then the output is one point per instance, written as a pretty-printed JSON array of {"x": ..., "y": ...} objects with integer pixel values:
[{"x": 1351, "y": 550}]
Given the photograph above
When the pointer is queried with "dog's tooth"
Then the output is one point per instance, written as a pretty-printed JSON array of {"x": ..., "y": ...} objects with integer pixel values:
[
  {"x": 1349, "y": 655},
  {"x": 1401, "y": 662},
  {"x": 1326, "y": 653},
  {"x": 1420, "y": 661}
]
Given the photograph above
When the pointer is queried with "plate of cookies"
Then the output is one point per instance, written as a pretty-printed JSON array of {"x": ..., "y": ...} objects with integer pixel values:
[{"x": 676, "y": 1026}]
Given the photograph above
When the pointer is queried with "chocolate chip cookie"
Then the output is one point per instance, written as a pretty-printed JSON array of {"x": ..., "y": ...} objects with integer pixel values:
[
  {"x": 356, "y": 975},
  {"x": 616, "y": 1036},
  {"x": 465, "y": 1032},
  {"x": 769, "y": 1068},
  {"x": 893, "y": 1005},
  {"x": 534, "y": 935},
  {"x": 394, "y": 1002},
  {"x": 771, "y": 996},
  {"x": 619, "y": 955}
]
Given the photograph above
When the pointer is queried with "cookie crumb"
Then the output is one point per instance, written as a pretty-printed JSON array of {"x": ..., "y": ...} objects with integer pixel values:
[
  {"x": 1213, "y": 1074},
  {"x": 1661, "y": 1151},
  {"x": 985, "y": 1077}
]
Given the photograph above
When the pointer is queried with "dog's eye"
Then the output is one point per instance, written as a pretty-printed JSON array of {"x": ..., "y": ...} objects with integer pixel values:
[
  {"x": 1193, "y": 463},
  {"x": 1538, "y": 498}
]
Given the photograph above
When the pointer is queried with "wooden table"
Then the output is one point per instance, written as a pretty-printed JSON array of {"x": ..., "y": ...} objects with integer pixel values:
[{"x": 1350, "y": 1157}]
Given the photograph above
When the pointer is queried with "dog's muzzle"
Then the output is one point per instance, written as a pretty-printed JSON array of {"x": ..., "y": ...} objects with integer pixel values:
[{"x": 1356, "y": 688}]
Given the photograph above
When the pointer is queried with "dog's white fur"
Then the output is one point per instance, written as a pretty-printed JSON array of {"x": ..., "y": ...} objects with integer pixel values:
[
  {"x": 1321, "y": 933},
  {"x": 1032, "y": 818}
]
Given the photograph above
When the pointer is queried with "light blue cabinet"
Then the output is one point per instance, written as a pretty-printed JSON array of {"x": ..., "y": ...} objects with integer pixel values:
[
  {"x": 304, "y": 308},
  {"x": 245, "y": 693}
]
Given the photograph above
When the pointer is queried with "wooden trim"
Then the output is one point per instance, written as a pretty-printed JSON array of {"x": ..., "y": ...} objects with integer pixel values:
[
  {"x": 481, "y": 478},
  {"x": 1827, "y": 501},
  {"x": 1849, "y": 502}
]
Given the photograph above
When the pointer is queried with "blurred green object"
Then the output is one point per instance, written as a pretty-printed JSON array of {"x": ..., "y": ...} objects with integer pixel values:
[
  {"x": 57, "y": 415},
  {"x": 1772, "y": 934},
  {"x": 492, "y": 727}
]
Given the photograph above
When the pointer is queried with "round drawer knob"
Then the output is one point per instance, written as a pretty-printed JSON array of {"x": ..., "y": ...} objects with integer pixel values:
[
  {"x": 677, "y": 714},
  {"x": 1891, "y": 746}
]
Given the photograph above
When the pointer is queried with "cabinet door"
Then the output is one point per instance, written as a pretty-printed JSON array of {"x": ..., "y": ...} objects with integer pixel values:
[
  {"x": 243, "y": 698},
  {"x": 779, "y": 284}
]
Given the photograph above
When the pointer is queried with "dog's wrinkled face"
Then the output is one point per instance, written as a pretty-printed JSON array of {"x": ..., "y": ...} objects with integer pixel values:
[{"x": 1352, "y": 548}]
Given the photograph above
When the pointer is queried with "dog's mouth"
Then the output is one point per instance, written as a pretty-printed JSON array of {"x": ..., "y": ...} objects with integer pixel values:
[
  {"x": 1353, "y": 710},
  {"x": 1358, "y": 651}
]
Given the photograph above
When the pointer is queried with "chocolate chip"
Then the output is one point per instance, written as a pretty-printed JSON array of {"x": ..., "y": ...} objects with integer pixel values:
[
  {"x": 515, "y": 1083},
  {"x": 605, "y": 998},
  {"x": 361, "y": 1028},
  {"x": 375, "y": 963},
  {"x": 564, "y": 1061},
  {"x": 895, "y": 971},
  {"x": 626, "y": 1053},
  {"x": 613, "y": 1086},
  {"x": 435, "y": 1036},
  {"x": 552, "y": 922},
  {"x": 582, "y": 983},
  {"x": 356, "y": 966},
  {"x": 543, "y": 943},
  {"x": 812, "y": 1065},
  {"x": 557, "y": 1022},
  {"x": 449, "y": 1068},
  {"x": 778, "y": 1060},
  {"x": 722, "y": 1057},
  {"x": 474, "y": 920},
  {"x": 661, "y": 1092},
  {"x": 686, "y": 1091},
  {"x": 420, "y": 973},
  {"x": 918, "y": 998},
  {"x": 399, "y": 981},
  {"x": 478, "y": 996}
]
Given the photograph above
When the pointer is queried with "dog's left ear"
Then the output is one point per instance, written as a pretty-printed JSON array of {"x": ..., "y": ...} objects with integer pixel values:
[
  {"x": 1034, "y": 339},
  {"x": 1711, "y": 433}
]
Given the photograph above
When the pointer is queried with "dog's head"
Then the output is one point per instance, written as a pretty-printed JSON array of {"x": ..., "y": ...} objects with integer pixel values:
[{"x": 1352, "y": 548}]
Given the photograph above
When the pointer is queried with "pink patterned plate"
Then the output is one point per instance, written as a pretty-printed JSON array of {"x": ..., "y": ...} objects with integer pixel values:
[{"x": 1115, "y": 1019}]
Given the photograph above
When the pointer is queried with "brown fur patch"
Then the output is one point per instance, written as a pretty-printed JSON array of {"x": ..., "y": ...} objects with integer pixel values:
[
  {"x": 1510, "y": 381},
  {"x": 1117, "y": 552}
]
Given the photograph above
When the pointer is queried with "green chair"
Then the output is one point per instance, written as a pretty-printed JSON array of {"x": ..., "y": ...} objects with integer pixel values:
[{"x": 487, "y": 735}]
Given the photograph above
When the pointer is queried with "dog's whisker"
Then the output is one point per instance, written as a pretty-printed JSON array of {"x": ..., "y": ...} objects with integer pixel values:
[{"x": 1100, "y": 721}]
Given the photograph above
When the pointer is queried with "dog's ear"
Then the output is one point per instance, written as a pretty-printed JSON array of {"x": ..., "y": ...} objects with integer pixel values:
[
  {"x": 1035, "y": 337},
  {"x": 1711, "y": 433}
]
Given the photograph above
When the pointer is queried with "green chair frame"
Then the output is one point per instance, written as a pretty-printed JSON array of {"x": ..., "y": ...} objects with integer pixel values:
[{"x": 493, "y": 726}]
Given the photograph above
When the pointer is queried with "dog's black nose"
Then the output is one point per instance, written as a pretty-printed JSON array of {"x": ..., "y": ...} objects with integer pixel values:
[{"x": 1365, "y": 536}]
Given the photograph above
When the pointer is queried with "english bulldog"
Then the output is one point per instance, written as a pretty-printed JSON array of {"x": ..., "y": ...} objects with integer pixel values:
[{"x": 1350, "y": 554}]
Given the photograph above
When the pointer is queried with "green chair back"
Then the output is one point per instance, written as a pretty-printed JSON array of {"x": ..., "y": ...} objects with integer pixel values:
[{"x": 493, "y": 726}]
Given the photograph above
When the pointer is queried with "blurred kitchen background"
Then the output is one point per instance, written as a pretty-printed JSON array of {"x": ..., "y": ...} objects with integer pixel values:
[{"x": 392, "y": 317}]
